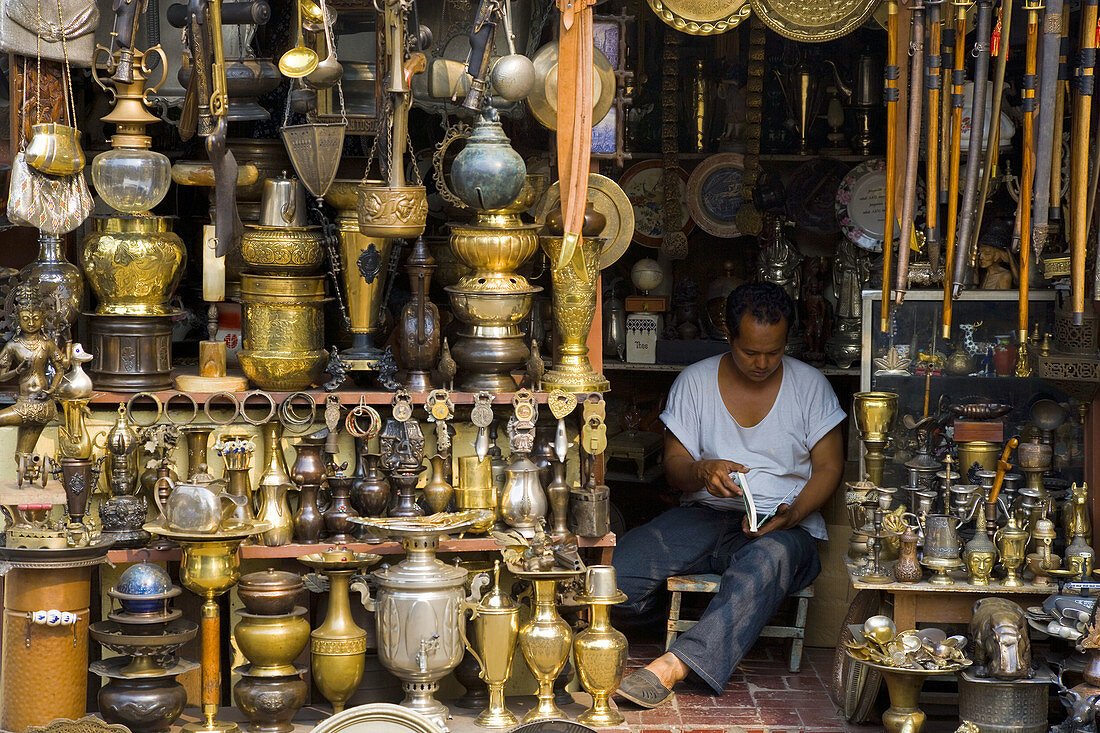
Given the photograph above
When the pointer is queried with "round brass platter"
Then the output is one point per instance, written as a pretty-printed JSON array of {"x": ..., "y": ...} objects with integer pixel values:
[
  {"x": 543, "y": 98},
  {"x": 813, "y": 21},
  {"x": 609, "y": 199},
  {"x": 701, "y": 17}
]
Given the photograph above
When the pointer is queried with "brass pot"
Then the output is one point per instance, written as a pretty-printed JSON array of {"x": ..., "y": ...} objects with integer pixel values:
[
  {"x": 488, "y": 310},
  {"x": 130, "y": 353},
  {"x": 209, "y": 568},
  {"x": 270, "y": 592},
  {"x": 283, "y": 330},
  {"x": 282, "y": 250},
  {"x": 133, "y": 264},
  {"x": 978, "y": 452},
  {"x": 271, "y": 643},
  {"x": 270, "y": 703},
  {"x": 400, "y": 212}
]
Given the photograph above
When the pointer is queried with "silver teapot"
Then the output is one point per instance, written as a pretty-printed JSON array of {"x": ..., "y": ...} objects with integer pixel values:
[{"x": 197, "y": 507}]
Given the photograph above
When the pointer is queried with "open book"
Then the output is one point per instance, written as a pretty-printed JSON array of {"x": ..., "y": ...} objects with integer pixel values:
[{"x": 757, "y": 516}]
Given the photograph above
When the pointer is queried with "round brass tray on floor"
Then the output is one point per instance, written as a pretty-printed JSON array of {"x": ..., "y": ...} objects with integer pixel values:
[{"x": 701, "y": 17}]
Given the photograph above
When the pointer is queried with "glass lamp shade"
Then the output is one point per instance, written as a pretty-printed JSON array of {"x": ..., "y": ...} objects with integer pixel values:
[{"x": 131, "y": 180}]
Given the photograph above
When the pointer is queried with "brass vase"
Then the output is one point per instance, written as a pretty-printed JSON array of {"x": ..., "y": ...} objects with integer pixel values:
[
  {"x": 875, "y": 413},
  {"x": 364, "y": 265},
  {"x": 283, "y": 330},
  {"x": 904, "y": 686},
  {"x": 271, "y": 643},
  {"x": 236, "y": 450},
  {"x": 272, "y": 487},
  {"x": 495, "y": 631},
  {"x": 600, "y": 650},
  {"x": 338, "y": 646},
  {"x": 134, "y": 264},
  {"x": 437, "y": 492},
  {"x": 574, "y": 287},
  {"x": 545, "y": 639},
  {"x": 198, "y": 442}
]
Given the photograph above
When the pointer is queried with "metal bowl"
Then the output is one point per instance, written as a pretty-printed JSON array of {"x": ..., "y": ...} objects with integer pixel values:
[{"x": 489, "y": 308}]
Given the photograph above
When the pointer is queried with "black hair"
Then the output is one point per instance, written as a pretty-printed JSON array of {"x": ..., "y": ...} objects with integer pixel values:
[{"x": 767, "y": 303}]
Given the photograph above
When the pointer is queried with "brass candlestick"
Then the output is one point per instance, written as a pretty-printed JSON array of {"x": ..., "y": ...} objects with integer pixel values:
[
  {"x": 210, "y": 566},
  {"x": 875, "y": 413},
  {"x": 545, "y": 639}
]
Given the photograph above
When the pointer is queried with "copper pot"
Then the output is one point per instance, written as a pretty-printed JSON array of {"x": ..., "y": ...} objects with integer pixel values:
[{"x": 270, "y": 592}]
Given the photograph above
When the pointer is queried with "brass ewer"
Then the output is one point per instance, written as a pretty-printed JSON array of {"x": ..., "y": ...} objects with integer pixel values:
[
  {"x": 574, "y": 291},
  {"x": 545, "y": 639},
  {"x": 875, "y": 413},
  {"x": 338, "y": 646},
  {"x": 210, "y": 566},
  {"x": 600, "y": 650},
  {"x": 496, "y": 629}
]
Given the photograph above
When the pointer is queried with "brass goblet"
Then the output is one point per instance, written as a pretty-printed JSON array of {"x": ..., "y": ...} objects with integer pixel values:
[{"x": 875, "y": 413}]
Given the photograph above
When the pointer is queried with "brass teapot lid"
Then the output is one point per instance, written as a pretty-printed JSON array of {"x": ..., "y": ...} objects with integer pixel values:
[{"x": 271, "y": 580}]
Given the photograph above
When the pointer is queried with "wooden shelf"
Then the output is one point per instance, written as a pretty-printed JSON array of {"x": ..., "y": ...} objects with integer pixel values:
[
  {"x": 622, "y": 366},
  {"x": 465, "y": 544}
]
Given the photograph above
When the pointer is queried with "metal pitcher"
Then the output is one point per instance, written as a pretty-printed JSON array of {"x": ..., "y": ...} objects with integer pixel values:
[
  {"x": 283, "y": 203},
  {"x": 941, "y": 537},
  {"x": 197, "y": 507}
]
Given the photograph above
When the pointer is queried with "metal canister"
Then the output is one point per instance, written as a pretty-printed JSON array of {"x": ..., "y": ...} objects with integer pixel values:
[
  {"x": 283, "y": 330},
  {"x": 130, "y": 353},
  {"x": 999, "y": 706}
]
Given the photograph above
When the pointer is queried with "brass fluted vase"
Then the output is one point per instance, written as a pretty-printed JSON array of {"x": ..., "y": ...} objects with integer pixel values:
[
  {"x": 574, "y": 290},
  {"x": 338, "y": 646},
  {"x": 600, "y": 650},
  {"x": 364, "y": 263},
  {"x": 545, "y": 639},
  {"x": 904, "y": 686}
]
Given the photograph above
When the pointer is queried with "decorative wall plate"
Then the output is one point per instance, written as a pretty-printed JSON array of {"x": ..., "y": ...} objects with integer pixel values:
[
  {"x": 715, "y": 194},
  {"x": 643, "y": 184},
  {"x": 861, "y": 205},
  {"x": 608, "y": 199},
  {"x": 813, "y": 21},
  {"x": 701, "y": 17}
]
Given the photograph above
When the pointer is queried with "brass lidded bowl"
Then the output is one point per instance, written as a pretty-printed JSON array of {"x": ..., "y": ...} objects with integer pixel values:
[
  {"x": 282, "y": 250},
  {"x": 270, "y": 592}
]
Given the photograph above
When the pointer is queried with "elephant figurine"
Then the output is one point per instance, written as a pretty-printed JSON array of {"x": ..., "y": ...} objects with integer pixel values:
[{"x": 1002, "y": 649}]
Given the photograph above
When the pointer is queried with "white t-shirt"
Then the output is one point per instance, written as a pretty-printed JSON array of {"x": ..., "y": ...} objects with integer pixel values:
[{"x": 776, "y": 450}]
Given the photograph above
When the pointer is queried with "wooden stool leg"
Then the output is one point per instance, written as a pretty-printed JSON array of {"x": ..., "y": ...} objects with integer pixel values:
[
  {"x": 802, "y": 609},
  {"x": 673, "y": 618}
]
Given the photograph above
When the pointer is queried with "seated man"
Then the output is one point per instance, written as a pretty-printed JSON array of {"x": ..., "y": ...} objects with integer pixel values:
[{"x": 777, "y": 421}]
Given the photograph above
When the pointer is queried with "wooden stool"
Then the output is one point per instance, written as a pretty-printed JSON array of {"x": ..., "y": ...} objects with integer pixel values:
[{"x": 707, "y": 583}]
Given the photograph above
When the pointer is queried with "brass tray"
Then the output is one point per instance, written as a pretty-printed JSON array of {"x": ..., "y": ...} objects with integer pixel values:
[
  {"x": 543, "y": 99},
  {"x": 813, "y": 22},
  {"x": 610, "y": 200},
  {"x": 701, "y": 17}
]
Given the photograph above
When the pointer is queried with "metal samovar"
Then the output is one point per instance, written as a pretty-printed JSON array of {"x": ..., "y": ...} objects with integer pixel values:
[{"x": 420, "y": 605}]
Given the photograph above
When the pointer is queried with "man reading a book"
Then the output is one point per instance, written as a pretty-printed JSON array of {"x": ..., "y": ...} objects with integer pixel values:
[{"x": 750, "y": 411}]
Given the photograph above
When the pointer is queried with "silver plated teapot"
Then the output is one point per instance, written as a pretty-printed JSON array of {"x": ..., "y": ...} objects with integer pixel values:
[{"x": 195, "y": 507}]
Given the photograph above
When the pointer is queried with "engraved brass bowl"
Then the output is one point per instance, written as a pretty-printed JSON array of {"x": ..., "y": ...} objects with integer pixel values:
[
  {"x": 282, "y": 250},
  {"x": 282, "y": 331},
  {"x": 494, "y": 252},
  {"x": 343, "y": 194},
  {"x": 491, "y": 308},
  {"x": 400, "y": 212},
  {"x": 133, "y": 264}
]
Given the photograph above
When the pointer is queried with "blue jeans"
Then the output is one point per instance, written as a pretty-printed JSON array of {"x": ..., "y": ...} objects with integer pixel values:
[{"x": 757, "y": 575}]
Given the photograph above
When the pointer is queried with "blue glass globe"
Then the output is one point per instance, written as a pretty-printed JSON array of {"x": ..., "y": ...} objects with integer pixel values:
[{"x": 144, "y": 579}]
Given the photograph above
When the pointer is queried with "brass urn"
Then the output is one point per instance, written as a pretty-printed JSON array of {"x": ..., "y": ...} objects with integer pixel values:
[{"x": 134, "y": 264}]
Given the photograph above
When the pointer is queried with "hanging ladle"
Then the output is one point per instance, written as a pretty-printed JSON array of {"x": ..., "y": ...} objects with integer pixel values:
[
  {"x": 313, "y": 18},
  {"x": 329, "y": 71},
  {"x": 300, "y": 60}
]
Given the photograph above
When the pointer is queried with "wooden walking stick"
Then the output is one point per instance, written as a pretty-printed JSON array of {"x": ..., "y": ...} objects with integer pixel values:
[
  {"x": 574, "y": 134},
  {"x": 912, "y": 148},
  {"x": 891, "y": 95},
  {"x": 933, "y": 83},
  {"x": 999, "y": 43},
  {"x": 1027, "y": 179},
  {"x": 1080, "y": 158},
  {"x": 958, "y": 77},
  {"x": 969, "y": 204}
]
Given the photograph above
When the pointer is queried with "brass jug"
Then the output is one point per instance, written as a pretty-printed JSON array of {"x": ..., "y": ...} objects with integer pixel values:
[{"x": 54, "y": 149}]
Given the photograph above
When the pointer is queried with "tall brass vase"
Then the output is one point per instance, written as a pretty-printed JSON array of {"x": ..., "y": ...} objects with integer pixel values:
[
  {"x": 364, "y": 261},
  {"x": 545, "y": 640},
  {"x": 496, "y": 629},
  {"x": 574, "y": 290},
  {"x": 338, "y": 646},
  {"x": 600, "y": 654}
]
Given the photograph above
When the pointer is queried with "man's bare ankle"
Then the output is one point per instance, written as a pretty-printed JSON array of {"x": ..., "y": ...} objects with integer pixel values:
[{"x": 669, "y": 669}]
